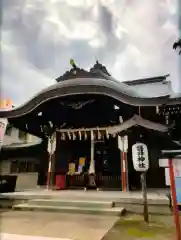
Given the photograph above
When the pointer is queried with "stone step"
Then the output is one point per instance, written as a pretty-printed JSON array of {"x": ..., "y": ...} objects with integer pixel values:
[
  {"x": 156, "y": 209},
  {"x": 71, "y": 203},
  {"x": 116, "y": 211}
]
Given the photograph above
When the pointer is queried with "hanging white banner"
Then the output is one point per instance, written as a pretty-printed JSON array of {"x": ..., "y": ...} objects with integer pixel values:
[
  {"x": 120, "y": 143},
  {"x": 49, "y": 149},
  {"x": 125, "y": 143},
  {"x": 52, "y": 144}
]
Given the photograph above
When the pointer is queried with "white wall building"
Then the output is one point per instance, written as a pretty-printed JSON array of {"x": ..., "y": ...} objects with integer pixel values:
[
  {"x": 14, "y": 137},
  {"x": 25, "y": 168}
]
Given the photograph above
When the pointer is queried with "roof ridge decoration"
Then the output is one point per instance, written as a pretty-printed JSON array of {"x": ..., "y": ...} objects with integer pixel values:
[
  {"x": 162, "y": 78},
  {"x": 97, "y": 71}
]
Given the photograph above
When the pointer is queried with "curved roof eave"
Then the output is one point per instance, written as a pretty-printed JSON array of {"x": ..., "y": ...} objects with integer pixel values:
[
  {"x": 114, "y": 89},
  {"x": 22, "y": 145}
]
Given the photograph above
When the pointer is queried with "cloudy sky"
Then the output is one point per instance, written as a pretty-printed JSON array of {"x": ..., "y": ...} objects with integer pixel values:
[{"x": 38, "y": 37}]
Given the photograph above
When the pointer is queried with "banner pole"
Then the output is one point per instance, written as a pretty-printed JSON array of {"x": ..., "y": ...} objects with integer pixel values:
[{"x": 174, "y": 199}]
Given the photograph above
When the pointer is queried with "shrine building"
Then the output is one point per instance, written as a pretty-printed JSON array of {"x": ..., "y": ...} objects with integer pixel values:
[{"x": 81, "y": 119}]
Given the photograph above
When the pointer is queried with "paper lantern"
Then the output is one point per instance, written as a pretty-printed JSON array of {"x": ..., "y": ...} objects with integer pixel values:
[{"x": 140, "y": 157}]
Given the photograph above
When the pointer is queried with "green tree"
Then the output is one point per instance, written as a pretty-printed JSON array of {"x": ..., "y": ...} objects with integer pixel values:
[{"x": 177, "y": 45}]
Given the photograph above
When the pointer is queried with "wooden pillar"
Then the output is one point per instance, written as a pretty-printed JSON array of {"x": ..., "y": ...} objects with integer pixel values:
[
  {"x": 124, "y": 171},
  {"x": 51, "y": 164},
  {"x": 123, "y": 146},
  {"x": 145, "y": 200},
  {"x": 49, "y": 170}
]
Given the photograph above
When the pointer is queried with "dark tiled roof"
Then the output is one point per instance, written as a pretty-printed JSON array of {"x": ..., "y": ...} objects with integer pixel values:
[
  {"x": 97, "y": 80},
  {"x": 20, "y": 145},
  {"x": 147, "y": 80}
]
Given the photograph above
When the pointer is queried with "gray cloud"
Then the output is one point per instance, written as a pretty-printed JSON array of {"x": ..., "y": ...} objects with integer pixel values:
[{"x": 132, "y": 38}]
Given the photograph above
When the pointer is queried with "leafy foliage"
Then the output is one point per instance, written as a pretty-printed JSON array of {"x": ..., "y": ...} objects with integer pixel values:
[{"x": 177, "y": 45}]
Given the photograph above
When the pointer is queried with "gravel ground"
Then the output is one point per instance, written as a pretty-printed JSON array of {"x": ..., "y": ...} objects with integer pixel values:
[{"x": 132, "y": 227}]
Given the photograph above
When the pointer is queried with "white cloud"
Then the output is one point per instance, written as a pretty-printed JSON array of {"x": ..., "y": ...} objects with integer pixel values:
[
  {"x": 133, "y": 38},
  {"x": 83, "y": 30},
  {"x": 97, "y": 43},
  {"x": 19, "y": 77}
]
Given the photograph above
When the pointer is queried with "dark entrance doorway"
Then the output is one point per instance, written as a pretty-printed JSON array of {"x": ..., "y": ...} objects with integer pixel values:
[{"x": 76, "y": 154}]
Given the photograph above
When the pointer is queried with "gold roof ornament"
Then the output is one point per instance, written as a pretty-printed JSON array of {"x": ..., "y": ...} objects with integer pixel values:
[{"x": 72, "y": 63}]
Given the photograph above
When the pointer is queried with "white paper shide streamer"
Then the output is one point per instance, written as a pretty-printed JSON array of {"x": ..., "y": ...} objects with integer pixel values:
[{"x": 92, "y": 161}]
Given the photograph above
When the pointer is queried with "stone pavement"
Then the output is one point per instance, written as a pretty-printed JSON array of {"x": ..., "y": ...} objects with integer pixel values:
[
  {"x": 6, "y": 236},
  {"x": 113, "y": 195},
  {"x": 53, "y": 225}
]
